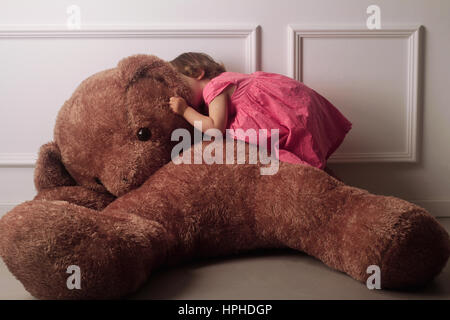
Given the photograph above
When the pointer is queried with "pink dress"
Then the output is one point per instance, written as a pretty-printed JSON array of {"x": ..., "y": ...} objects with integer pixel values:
[{"x": 310, "y": 127}]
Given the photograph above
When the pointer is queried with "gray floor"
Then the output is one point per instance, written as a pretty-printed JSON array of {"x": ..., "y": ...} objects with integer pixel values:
[{"x": 274, "y": 275}]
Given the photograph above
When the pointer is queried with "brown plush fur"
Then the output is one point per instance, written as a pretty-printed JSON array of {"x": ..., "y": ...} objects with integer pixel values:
[{"x": 118, "y": 208}]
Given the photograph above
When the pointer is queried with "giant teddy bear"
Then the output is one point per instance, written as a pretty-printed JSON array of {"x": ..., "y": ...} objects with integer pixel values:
[{"x": 111, "y": 202}]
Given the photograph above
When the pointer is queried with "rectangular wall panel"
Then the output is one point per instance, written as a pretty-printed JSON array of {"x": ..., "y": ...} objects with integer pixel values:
[
  {"x": 372, "y": 77},
  {"x": 41, "y": 69}
]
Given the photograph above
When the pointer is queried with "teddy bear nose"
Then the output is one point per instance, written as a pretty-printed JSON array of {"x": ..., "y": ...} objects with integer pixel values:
[{"x": 98, "y": 181}]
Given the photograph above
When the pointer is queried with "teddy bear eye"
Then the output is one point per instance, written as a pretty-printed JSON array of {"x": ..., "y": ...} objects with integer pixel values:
[{"x": 144, "y": 134}]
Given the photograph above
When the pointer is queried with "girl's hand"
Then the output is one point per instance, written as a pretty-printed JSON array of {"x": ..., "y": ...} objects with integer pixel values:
[{"x": 178, "y": 105}]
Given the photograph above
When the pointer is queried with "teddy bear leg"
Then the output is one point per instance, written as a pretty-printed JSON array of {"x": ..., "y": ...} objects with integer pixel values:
[
  {"x": 350, "y": 229},
  {"x": 40, "y": 241},
  {"x": 407, "y": 244}
]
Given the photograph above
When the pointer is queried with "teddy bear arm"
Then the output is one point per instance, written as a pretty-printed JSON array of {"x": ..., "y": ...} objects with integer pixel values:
[
  {"x": 114, "y": 251},
  {"x": 77, "y": 195}
]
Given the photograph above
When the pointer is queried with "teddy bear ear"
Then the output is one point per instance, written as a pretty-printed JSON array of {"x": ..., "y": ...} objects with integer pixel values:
[
  {"x": 141, "y": 65},
  {"x": 50, "y": 171}
]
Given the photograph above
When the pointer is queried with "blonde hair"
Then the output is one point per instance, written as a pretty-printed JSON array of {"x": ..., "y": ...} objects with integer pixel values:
[{"x": 192, "y": 64}]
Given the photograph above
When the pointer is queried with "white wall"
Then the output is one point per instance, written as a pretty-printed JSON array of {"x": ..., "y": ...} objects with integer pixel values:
[{"x": 370, "y": 75}]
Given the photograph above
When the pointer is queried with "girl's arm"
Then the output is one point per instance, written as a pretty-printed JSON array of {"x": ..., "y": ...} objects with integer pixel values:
[{"x": 217, "y": 118}]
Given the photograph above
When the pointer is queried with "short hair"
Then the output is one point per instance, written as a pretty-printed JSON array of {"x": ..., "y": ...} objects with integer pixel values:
[{"x": 191, "y": 64}]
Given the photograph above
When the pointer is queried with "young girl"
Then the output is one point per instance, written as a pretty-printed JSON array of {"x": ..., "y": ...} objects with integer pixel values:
[{"x": 310, "y": 127}]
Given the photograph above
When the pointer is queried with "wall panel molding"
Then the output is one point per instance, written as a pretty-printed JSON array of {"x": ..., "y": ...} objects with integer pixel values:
[
  {"x": 249, "y": 33},
  {"x": 296, "y": 36},
  {"x": 18, "y": 159}
]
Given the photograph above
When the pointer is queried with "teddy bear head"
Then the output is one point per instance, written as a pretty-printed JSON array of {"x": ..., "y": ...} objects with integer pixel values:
[{"x": 115, "y": 130}]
